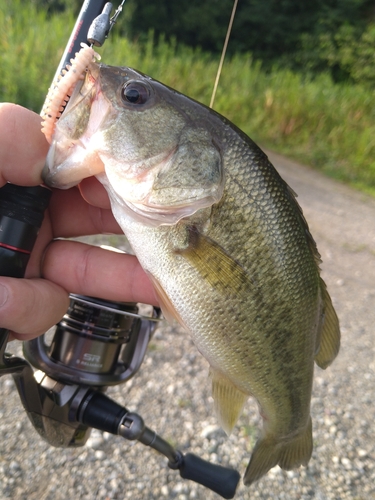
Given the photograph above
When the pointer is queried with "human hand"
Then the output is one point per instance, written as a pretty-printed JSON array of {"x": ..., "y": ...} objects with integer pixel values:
[{"x": 28, "y": 307}]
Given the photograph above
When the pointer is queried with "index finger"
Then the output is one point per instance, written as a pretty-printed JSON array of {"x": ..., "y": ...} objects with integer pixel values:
[{"x": 23, "y": 147}]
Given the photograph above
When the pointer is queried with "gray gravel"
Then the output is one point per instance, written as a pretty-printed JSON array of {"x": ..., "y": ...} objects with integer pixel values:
[{"x": 172, "y": 393}]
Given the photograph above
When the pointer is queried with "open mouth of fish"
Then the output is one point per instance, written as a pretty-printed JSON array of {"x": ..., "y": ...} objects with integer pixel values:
[{"x": 71, "y": 156}]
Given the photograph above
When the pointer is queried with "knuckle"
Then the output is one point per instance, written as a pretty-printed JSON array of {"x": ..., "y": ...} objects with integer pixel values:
[{"x": 85, "y": 269}]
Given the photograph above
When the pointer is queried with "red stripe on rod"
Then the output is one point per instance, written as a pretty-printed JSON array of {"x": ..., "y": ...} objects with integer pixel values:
[{"x": 15, "y": 249}]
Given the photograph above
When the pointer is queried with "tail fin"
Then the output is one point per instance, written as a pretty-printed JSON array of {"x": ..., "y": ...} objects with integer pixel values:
[{"x": 269, "y": 452}]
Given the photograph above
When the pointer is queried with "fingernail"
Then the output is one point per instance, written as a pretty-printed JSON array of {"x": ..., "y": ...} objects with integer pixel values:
[{"x": 4, "y": 294}]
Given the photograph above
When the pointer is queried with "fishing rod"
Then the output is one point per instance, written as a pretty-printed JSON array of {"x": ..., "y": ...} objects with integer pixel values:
[{"x": 62, "y": 381}]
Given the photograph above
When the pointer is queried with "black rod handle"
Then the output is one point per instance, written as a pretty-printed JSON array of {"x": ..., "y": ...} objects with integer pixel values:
[
  {"x": 221, "y": 480},
  {"x": 21, "y": 216}
]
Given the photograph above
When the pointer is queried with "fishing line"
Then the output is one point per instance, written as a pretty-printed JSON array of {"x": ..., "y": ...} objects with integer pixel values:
[{"x": 223, "y": 52}]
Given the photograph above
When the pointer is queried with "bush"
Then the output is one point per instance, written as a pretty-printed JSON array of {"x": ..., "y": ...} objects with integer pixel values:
[{"x": 349, "y": 54}]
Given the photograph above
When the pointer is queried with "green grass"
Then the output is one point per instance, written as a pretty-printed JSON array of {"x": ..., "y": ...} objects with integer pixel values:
[
  {"x": 30, "y": 49},
  {"x": 331, "y": 127}
]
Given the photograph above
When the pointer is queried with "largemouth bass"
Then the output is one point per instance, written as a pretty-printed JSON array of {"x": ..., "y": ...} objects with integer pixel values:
[{"x": 222, "y": 238}]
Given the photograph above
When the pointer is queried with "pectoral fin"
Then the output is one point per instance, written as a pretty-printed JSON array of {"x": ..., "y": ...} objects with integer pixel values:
[
  {"x": 214, "y": 265},
  {"x": 228, "y": 400},
  {"x": 329, "y": 342},
  {"x": 168, "y": 310}
]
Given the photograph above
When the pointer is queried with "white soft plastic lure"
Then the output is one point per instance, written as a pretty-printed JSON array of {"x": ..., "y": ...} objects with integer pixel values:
[{"x": 62, "y": 88}]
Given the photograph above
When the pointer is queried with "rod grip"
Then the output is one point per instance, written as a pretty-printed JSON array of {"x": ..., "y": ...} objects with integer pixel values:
[{"x": 221, "y": 480}]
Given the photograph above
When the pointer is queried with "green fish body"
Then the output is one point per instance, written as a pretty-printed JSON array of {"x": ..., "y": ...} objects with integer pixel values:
[{"x": 223, "y": 240}]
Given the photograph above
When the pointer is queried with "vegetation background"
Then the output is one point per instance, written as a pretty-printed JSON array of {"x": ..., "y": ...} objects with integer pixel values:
[{"x": 299, "y": 76}]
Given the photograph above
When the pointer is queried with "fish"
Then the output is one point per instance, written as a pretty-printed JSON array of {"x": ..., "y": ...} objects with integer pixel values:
[{"x": 222, "y": 238}]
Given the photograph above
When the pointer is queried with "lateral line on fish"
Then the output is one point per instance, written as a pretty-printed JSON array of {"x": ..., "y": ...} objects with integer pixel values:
[{"x": 291, "y": 195}]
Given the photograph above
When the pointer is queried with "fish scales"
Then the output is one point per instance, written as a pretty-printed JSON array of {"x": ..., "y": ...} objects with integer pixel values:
[{"x": 223, "y": 240}]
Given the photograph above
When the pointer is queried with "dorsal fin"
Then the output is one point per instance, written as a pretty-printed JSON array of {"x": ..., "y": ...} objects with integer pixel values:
[{"x": 329, "y": 336}]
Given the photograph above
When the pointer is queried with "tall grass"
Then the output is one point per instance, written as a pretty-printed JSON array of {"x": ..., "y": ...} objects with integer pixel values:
[
  {"x": 31, "y": 46},
  {"x": 331, "y": 127}
]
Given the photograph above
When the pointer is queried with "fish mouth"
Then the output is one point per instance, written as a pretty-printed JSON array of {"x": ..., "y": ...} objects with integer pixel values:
[
  {"x": 72, "y": 155},
  {"x": 64, "y": 169}
]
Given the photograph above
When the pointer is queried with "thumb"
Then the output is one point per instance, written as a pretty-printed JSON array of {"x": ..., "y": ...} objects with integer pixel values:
[
  {"x": 30, "y": 307},
  {"x": 23, "y": 147}
]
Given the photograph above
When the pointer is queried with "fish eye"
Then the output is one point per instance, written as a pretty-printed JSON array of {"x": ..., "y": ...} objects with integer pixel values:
[{"x": 135, "y": 92}]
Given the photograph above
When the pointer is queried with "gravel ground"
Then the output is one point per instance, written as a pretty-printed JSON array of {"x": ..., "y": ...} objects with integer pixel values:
[{"x": 172, "y": 393}]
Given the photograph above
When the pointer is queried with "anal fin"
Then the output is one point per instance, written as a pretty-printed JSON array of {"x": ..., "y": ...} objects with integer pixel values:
[{"x": 228, "y": 400}]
